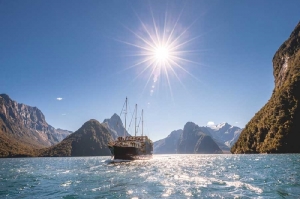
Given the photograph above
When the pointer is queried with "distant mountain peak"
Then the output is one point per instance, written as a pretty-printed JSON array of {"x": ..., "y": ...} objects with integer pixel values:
[
  {"x": 195, "y": 139},
  {"x": 220, "y": 126},
  {"x": 115, "y": 126},
  {"x": 190, "y": 125},
  {"x": 116, "y": 117},
  {"x": 224, "y": 124},
  {"x": 92, "y": 120},
  {"x": 223, "y": 134}
]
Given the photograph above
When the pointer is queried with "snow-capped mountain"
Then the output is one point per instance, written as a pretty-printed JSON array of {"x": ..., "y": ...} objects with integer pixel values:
[{"x": 225, "y": 133}]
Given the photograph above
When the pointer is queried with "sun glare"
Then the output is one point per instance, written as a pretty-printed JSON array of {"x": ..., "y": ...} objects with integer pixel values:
[
  {"x": 161, "y": 54},
  {"x": 162, "y": 50}
]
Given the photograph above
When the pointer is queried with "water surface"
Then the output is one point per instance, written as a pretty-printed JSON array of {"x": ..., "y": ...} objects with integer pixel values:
[{"x": 164, "y": 176}]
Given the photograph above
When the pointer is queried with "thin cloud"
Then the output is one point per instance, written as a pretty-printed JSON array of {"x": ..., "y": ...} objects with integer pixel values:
[
  {"x": 59, "y": 98},
  {"x": 63, "y": 114},
  {"x": 210, "y": 123}
]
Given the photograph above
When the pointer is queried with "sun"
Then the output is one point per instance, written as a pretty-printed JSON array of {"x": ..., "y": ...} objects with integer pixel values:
[
  {"x": 161, "y": 54},
  {"x": 161, "y": 48}
]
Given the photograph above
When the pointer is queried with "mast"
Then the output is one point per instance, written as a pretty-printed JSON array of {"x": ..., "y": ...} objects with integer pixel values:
[
  {"x": 135, "y": 120},
  {"x": 125, "y": 117},
  {"x": 142, "y": 122}
]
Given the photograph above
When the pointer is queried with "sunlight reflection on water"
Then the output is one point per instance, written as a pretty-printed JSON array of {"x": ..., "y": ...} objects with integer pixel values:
[{"x": 164, "y": 176}]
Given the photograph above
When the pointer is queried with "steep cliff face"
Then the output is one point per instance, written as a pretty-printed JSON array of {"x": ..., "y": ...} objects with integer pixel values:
[
  {"x": 286, "y": 60},
  {"x": 206, "y": 145},
  {"x": 195, "y": 139},
  {"x": 61, "y": 134},
  {"x": 115, "y": 126},
  {"x": 90, "y": 140},
  {"x": 26, "y": 124},
  {"x": 169, "y": 144},
  {"x": 276, "y": 127}
]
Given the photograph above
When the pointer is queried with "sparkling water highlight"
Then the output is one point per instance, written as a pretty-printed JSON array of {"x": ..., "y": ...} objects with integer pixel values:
[{"x": 164, "y": 176}]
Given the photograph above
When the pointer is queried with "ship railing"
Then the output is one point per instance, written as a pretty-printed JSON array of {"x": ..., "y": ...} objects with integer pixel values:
[
  {"x": 123, "y": 141},
  {"x": 128, "y": 143}
]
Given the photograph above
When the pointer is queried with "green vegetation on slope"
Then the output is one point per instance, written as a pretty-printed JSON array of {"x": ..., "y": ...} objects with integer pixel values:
[
  {"x": 276, "y": 127},
  {"x": 10, "y": 147},
  {"x": 90, "y": 140}
]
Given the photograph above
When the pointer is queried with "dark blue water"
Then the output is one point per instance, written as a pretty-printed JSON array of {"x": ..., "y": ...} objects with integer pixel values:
[{"x": 165, "y": 176}]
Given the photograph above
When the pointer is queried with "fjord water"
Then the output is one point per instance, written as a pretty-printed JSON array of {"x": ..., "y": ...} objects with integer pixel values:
[{"x": 164, "y": 176}]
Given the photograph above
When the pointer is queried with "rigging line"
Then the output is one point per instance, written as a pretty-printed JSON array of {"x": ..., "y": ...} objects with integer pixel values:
[
  {"x": 129, "y": 111},
  {"x": 130, "y": 121},
  {"x": 126, "y": 102},
  {"x": 139, "y": 124},
  {"x": 147, "y": 132},
  {"x": 122, "y": 109},
  {"x": 135, "y": 120},
  {"x": 121, "y": 112}
]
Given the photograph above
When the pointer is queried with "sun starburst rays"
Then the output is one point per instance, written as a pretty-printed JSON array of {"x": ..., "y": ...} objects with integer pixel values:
[{"x": 162, "y": 49}]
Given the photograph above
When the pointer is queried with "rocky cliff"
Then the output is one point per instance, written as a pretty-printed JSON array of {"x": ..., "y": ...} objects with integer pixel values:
[
  {"x": 195, "y": 139},
  {"x": 25, "y": 126},
  {"x": 115, "y": 126},
  {"x": 61, "y": 134},
  {"x": 169, "y": 144},
  {"x": 90, "y": 140},
  {"x": 224, "y": 134},
  {"x": 276, "y": 127}
]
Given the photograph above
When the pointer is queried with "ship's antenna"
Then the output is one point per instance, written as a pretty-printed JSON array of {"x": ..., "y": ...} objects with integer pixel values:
[
  {"x": 142, "y": 122},
  {"x": 135, "y": 120},
  {"x": 125, "y": 117}
]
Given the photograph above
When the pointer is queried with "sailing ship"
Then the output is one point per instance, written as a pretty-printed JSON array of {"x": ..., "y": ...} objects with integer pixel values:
[{"x": 132, "y": 147}]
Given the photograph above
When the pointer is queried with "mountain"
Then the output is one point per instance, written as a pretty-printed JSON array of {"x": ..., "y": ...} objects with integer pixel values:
[
  {"x": 195, "y": 139},
  {"x": 10, "y": 147},
  {"x": 276, "y": 127},
  {"x": 26, "y": 124},
  {"x": 61, "y": 134},
  {"x": 168, "y": 145},
  {"x": 224, "y": 134},
  {"x": 23, "y": 129},
  {"x": 234, "y": 139},
  {"x": 89, "y": 140},
  {"x": 115, "y": 126}
]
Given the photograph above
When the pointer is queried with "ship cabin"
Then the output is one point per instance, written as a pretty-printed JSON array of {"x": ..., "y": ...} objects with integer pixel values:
[{"x": 133, "y": 138}]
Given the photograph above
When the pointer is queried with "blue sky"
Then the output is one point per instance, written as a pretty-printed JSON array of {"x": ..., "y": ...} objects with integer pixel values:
[{"x": 84, "y": 53}]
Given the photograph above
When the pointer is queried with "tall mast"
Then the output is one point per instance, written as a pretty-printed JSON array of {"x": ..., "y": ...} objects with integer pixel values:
[
  {"x": 135, "y": 120},
  {"x": 142, "y": 122},
  {"x": 125, "y": 117}
]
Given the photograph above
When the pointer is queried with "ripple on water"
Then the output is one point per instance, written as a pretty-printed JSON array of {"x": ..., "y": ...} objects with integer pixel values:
[
  {"x": 66, "y": 184},
  {"x": 165, "y": 176}
]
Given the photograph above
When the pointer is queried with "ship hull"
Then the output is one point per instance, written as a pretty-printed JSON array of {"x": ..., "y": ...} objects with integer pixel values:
[{"x": 130, "y": 153}]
